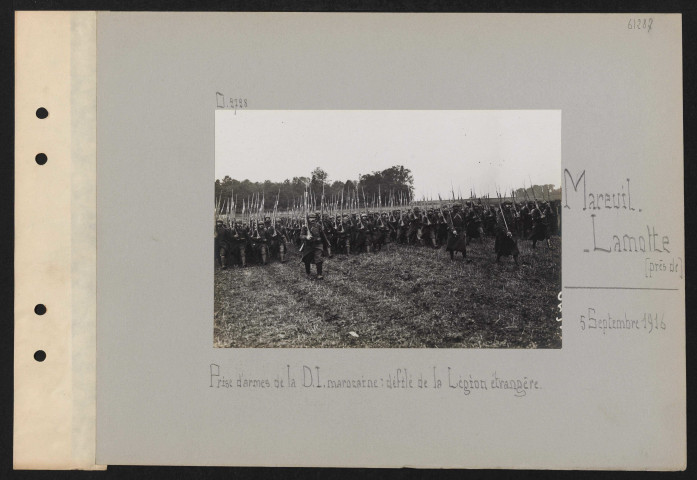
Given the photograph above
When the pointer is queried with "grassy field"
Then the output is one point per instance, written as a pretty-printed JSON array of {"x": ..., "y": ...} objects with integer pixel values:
[{"x": 400, "y": 297}]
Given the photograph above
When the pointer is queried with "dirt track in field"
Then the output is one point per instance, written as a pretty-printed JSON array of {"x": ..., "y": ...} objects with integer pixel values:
[{"x": 400, "y": 297}]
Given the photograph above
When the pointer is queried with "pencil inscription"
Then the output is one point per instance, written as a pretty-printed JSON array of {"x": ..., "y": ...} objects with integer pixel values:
[
  {"x": 405, "y": 379},
  {"x": 617, "y": 225},
  {"x": 640, "y": 24}
]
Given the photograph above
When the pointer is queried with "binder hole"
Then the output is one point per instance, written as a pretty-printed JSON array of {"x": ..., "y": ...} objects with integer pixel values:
[
  {"x": 41, "y": 113},
  {"x": 40, "y": 309},
  {"x": 39, "y": 355},
  {"x": 41, "y": 158}
]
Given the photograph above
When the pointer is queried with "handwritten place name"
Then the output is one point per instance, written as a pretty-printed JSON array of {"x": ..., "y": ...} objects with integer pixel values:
[
  {"x": 635, "y": 243},
  {"x": 402, "y": 379},
  {"x": 646, "y": 322},
  {"x": 619, "y": 199},
  {"x": 645, "y": 239}
]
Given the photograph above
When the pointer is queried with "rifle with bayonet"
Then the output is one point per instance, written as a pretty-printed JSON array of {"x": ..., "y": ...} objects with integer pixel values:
[
  {"x": 308, "y": 234},
  {"x": 532, "y": 189},
  {"x": 342, "y": 210},
  {"x": 503, "y": 215}
]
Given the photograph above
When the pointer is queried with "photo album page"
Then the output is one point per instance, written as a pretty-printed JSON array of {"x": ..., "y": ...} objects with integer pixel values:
[{"x": 349, "y": 240}]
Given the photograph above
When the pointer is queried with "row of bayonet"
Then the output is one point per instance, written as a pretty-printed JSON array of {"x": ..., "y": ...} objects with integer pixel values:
[{"x": 253, "y": 208}]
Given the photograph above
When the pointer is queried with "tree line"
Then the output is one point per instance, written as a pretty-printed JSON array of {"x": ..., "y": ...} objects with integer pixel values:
[{"x": 393, "y": 185}]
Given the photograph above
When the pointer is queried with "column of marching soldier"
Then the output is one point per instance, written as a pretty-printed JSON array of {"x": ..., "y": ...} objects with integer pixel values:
[{"x": 317, "y": 235}]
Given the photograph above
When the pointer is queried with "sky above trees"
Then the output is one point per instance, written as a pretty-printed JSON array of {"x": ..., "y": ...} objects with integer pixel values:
[{"x": 444, "y": 149}]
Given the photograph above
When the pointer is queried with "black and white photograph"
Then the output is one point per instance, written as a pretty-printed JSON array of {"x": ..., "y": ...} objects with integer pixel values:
[{"x": 387, "y": 229}]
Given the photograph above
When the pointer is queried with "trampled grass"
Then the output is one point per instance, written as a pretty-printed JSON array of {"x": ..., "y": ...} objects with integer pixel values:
[{"x": 400, "y": 297}]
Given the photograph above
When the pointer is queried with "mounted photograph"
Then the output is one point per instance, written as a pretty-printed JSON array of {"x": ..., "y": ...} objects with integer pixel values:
[{"x": 387, "y": 229}]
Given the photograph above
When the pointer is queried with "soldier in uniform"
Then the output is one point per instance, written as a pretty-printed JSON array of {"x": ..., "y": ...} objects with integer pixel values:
[
  {"x": 240, "y": 240},
  {"x": 370, "y": 236},
  {"x": 526, "y": 219},
  {"x": 277, "y": 242},
  {"x": 402, "y": 227},
  {"x": 457, "y": 238},
  {"x": 509, "y": 216},
  {"x": 344, "y": 234},
  {"x": 313, "y": 246},
  {"x": 539, "y": 227},
  {"x": 222, "y": 244},
  {"x": 489, "y": 221},
  {"x": 428, "y": 230},
  {"x": 504, "y": 245},
  {"x": 414, "y": 230},
  {"x": 362, "y": 234},
  {"x": 329, "y": 233},
  {"x": 473, "y": 226},
  {"x": 442, "y": 227},
  {"x": 552, "y": 223},
  {"x": 295, "y": 230},
  {"x": 393, "y": 224},
  {"x": 259, "y": 243},
  {"x": 381, "y": 236}
]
